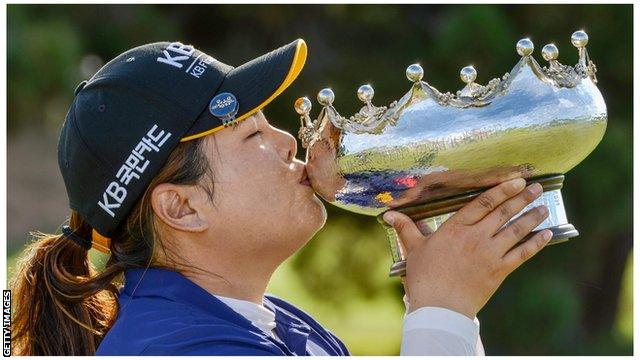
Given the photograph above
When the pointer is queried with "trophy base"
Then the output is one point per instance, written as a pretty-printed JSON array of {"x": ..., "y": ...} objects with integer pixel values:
[{"x": 435, "y": 213}]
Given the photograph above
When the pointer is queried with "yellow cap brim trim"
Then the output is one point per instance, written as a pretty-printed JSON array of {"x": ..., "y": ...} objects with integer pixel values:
[{"x": 299, "y": 58}]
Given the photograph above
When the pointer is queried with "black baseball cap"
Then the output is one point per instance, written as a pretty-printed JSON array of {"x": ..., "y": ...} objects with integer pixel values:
[{"x": 125, "y": 121}]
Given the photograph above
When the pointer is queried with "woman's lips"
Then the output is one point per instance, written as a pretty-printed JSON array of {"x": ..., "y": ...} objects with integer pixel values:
[{"x": 305, "y": 178}]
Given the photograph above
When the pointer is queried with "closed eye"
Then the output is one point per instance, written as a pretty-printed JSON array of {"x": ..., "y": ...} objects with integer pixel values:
[{"x": 254, "y": 134}]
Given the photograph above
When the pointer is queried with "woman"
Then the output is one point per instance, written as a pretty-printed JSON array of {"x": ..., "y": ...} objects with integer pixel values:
[{"x": 171, "y": 167}]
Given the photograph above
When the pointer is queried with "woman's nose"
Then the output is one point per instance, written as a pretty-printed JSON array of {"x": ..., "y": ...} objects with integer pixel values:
[
  {"x": 288, "y": 145},
  {"x": 293, "y": 146}
]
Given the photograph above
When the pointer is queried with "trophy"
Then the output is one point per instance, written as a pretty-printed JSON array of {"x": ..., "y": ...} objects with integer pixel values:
[{"x": 430, "y": 153}]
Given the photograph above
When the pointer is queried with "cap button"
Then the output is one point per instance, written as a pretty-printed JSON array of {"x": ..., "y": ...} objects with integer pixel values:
[
  {"x": 79, "y": 87},
  {"x": 224, "y": 106}
]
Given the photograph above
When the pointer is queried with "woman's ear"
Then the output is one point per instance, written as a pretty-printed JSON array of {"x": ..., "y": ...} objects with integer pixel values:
[{"x": 175, "y": 206}]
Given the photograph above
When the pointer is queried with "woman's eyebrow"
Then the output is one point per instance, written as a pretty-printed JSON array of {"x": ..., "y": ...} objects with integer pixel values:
[{"x": 247, "y": 128}]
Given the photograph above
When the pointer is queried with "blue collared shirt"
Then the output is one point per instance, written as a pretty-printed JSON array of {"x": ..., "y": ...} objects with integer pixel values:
[{"x": 164, "y": 313}]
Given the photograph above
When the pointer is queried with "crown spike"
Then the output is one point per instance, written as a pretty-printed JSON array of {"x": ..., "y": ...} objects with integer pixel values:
[
  {"x": 303, "y": 108},
  {"x": 579, "y": 39},
  {"x": 561, "y": 74},
  {"x": 415, "y": 73},
  {"x": 550, "y": 52},
  {"x": 468, "y": 74},
  {"x": 308, "y": 132},
  {"x": 326, "y": 97},
  {"x": 303, "y": 105},
  {"x": 524, "y": 47},
  {"x": 365, "y": 94}
]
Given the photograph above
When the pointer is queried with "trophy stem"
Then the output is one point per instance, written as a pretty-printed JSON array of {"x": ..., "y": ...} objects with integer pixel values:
[{"x": 434, "y": 213}]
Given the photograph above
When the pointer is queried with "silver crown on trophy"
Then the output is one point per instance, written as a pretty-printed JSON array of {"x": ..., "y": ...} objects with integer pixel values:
[{"x": 431, "y": 152}]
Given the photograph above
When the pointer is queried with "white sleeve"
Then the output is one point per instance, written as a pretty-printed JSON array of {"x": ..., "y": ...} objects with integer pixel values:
[{"x": 439, "y": 331}]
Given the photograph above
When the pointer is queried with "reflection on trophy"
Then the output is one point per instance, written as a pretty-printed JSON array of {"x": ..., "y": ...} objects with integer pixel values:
[{"x": 430, "y": 153}]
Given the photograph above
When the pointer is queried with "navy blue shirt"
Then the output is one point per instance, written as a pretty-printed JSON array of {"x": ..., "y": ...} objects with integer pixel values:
[{"x": 164, "y": 313}]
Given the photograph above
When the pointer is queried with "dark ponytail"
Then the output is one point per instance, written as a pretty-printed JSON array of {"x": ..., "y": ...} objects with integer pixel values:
[{"x": 62, "y": 304}]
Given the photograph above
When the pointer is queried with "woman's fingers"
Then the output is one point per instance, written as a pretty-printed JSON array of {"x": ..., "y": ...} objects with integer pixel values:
[
  {"x": 424, "y": 228},
  {"x": 510, "y": 208},
  {"x": 407, "y": 230},
  {"x": 521, "y": 227},
  {"x": 489, "y": 200},
  {"x": 523, "y": 252}
]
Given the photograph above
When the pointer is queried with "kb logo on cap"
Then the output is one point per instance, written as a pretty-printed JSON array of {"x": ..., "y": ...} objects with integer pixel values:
[{"x": 224, "y": 106}]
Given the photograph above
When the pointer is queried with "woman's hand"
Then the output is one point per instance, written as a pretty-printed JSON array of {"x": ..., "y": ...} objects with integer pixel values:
[{"x": 461, "y": 265}]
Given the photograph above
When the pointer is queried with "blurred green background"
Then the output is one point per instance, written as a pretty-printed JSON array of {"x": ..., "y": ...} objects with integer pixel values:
[{"x": 572, "y": 299}]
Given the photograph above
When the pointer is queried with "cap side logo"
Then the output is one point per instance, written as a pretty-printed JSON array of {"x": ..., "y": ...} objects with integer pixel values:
[
  {"x": 179, "y": 53},
  {"x": 133, "y": 167},
  {"x": 224, "y": 106}
]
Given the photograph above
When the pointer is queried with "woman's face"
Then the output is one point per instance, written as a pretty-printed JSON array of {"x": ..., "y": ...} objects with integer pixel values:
[{"x": 262, "y": 200}]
